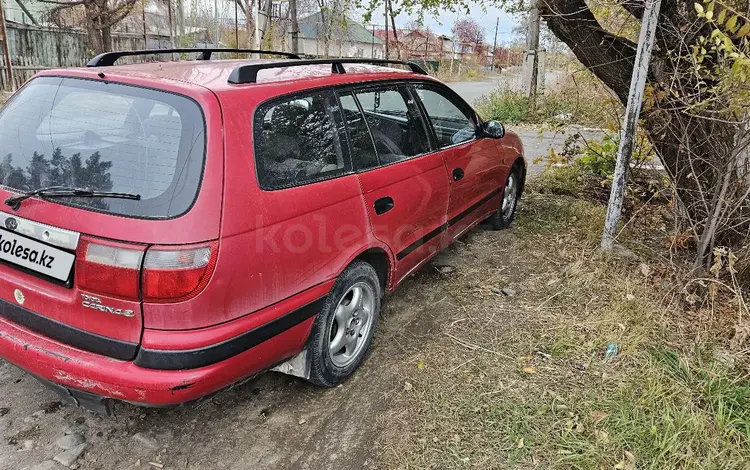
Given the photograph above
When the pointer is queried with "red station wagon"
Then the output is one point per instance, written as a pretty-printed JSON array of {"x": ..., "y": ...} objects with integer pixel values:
[{"x": 170, "y": 228}]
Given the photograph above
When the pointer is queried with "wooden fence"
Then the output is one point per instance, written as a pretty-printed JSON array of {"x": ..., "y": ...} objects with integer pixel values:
[{"x": 34, "y": 48}]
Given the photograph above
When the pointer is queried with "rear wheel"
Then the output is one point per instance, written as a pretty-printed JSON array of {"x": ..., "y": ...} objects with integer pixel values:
[
  {"x": 343, "y": 331},
  {"x": 507, "y": 211}
]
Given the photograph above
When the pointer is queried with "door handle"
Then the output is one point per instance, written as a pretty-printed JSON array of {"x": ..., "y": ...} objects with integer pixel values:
[
  {"x": 383, "y": 205},
  {"x": 458, "y": 173}
]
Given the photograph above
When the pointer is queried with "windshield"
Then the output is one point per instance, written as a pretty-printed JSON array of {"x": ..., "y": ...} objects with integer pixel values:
[{"x": 104, "y": 137}]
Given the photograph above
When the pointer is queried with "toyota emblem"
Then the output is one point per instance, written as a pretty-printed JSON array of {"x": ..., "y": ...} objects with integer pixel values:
[{"x": 11, "y": 223}]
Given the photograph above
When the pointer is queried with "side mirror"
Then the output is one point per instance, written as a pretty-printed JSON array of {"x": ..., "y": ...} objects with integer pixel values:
[{"x": 493, "y": 129}]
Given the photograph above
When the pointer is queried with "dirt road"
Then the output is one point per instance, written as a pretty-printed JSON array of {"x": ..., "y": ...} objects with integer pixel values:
[{"x": 272, "y": 422}]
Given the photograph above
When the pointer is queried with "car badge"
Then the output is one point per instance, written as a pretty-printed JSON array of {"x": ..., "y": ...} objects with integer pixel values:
[
  {"x": 11, "y": 223},
  {"x": 19, "y": 296}
]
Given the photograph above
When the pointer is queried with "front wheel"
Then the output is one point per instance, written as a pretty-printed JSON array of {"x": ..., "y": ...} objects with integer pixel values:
[
  {"x": 507, "y": 210},
  {"x": 343, "y": 331}
]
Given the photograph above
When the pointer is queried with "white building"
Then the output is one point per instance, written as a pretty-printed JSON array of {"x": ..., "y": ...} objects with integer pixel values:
[{"x": 345, "y": 39}]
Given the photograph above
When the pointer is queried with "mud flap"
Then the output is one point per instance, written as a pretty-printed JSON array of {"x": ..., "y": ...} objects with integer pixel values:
[{"x": 298, "y": 366}]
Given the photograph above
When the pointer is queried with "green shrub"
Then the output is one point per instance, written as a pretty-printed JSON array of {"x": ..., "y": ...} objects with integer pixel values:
[
  {"x": 562, "y": 180},
  {"x": 599, "y": 158},
  {"x": 506, "y": 106}
]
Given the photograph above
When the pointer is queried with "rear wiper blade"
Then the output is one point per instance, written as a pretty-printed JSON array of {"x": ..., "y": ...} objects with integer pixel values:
[{"x": 14, "y": 202}]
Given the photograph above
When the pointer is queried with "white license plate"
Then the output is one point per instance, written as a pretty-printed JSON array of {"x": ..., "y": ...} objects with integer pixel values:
[{"x": 38, "y": 257}]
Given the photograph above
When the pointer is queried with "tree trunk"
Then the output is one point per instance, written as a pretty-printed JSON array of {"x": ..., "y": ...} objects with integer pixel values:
[
  {"x": 92, "y": 32},
  {"x": 395, "y": 31},
  {"x": 295, "y": 26},
  {"x": 106, "y": 34},
  {"x": 694, "y": 149}
]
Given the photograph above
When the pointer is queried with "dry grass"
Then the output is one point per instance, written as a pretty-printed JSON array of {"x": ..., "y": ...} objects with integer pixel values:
[
  {"x": 578, "y": 98},
  {"x": 522, "y": 381}
]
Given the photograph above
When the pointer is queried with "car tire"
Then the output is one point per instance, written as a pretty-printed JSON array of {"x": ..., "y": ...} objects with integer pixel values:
[
  {"x": 505, "y": 214},
  {"x": 342, "y": 332}
]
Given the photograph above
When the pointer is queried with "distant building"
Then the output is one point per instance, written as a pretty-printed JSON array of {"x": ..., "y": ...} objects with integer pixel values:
[
  {"x": 320, "y": 35},
  {"x": 36, "y": 10},
  {"x": 423, "y": 44}
]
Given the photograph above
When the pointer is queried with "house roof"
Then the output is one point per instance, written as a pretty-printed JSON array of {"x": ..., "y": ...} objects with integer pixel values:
[
  {"x": 380, "y": 33},
  {"x": 311, "y": 27}
]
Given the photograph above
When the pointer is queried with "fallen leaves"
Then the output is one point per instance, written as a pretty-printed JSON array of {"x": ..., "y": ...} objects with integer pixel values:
[
  {"x": 628, "y": 463},
  {"x": 529, "y": 370},
  {"x": 645, "y": 269}
]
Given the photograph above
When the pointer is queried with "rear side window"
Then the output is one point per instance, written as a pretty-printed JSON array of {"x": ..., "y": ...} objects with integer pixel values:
[
  {"x": 363, "y": 149},
  {"x": 104, "y": 137},
  {"x": 395, "y": 123},
  {"x": 298, "y": 141}
]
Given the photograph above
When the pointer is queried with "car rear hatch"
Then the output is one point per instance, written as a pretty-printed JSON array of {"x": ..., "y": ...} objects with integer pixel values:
[{"x": 133, "y": 216}]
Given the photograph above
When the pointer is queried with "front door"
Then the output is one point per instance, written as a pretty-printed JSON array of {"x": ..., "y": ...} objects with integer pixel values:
[
  {"x": 403, "y": 182},
  {"x": 472, "y": 163}
]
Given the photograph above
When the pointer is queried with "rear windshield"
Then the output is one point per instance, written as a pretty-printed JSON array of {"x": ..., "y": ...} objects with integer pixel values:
[{"x": 104, "y": 137}]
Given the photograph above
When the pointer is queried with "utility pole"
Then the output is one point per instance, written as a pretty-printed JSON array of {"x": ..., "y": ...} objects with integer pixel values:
[
  {"x": 386, "y": 29},
  {"x": 453, "y": 54},
  {"x": 6, "y": 47},
  {"x": 295, "y": 26},
  {"x": 630, "y": 124},
  {"x": 531, "y": 60},
  {"x": 494, "y": 44}
]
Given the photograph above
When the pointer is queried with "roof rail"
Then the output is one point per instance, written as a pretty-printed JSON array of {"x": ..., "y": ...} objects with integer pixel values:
[
  {"x": 249, "y": 73},
  {"x": 109, "y": 58}
]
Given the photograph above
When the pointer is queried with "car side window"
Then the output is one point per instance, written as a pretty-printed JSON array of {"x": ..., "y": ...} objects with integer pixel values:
[
  {"x": 363, "y": 152},
  {"x": 452, "y": 124},
  {"x": 297, "y": 141},
  {"x": 395, "y": 123}
]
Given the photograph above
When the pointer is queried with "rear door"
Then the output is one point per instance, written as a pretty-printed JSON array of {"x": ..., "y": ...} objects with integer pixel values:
[
  {"x": 403, "y": 181},
  {"x": 473, "y": 164}
]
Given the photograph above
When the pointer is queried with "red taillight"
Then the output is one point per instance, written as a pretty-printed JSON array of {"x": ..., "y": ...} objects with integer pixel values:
[
  {"x": 177, "y": 274},
  {"x": 109, "y": 268}
]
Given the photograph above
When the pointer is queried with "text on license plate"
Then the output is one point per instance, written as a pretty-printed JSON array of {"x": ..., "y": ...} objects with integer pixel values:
[{"x": 36, "y": 256}]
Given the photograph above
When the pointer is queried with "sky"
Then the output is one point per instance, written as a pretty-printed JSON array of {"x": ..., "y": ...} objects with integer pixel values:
[{"x": 444, "y": 23}]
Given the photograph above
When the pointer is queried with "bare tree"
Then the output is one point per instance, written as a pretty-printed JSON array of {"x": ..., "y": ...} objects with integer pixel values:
[
  {"x": 695, "y": 107},
  {"x": 468, "y": 31},
  {"x": 99, "y": 17}
]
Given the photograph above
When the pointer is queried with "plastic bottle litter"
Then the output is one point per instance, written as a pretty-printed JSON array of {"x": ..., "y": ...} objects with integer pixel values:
[{"x": 611, "y": 352}]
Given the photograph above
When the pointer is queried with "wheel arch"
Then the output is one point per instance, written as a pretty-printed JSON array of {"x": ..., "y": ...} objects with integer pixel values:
[{"x": 378, "y": 258}]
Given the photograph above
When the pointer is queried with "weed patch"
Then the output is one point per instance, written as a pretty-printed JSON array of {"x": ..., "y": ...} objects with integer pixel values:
[
  {"x": 524, "y": 381},
  {"x": 579, "y": 99}
]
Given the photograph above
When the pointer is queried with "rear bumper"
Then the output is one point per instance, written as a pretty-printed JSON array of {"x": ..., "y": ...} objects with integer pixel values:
[
  {"x": 123, "y": 380},
  {"x": 170, "y": 367}
]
